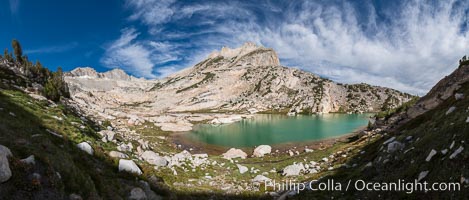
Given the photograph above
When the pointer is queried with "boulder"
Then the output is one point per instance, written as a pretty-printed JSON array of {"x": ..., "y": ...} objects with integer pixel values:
[
  {"x": 107, "y": 135},
  {"x": 29, "y": 160},
  {"x": 116, "y": 154},
  {"x": 154, "y": 159},
  {"x": 242, "y": 169},
  {"x": 144, "y": 144},
  {"x": 395, "y": 146},
  {"x": 450, "y": 110},
  {"x": 5, "y": 172},
  {"x": 261, "y": 150},
  {"x": 455, "y": 153},
  {"x": 444, "y": 151},
  {"x": 84, "y": 146},
  {"x": 5, "y": 151},
  {"x": 389, "y": 140},
  {"x": 293, "y": 170},
  {"x": 308, "y": 150},
  {"x": 253, "y": 110},
  {"x": 125, "y": 147},
  {"x": 129, "y": 166},
  {"x": 459, "y": 96},
  {"x": 137, "y": 194},
  {"x": 467, "y": 120},
  {"x": 260, "y": 179},
  {"x": 429, "y": 157},
  {"x": 183, "y": 155},
  {"x": 227, "y": 120},
  {"x": 422, "y": 175},
  {"x": 234, "y": 153}
]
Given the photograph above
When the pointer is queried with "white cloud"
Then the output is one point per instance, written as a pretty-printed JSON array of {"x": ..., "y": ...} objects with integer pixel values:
[
  {"x": 166, "y": 71},
  {"x": 129, "y": 55},
  {"x": 14, "y": 5},
  {"x": 52, "y": 49},
  {"x": 151, "y": 12},
  {"x": 409, "y": 47}
]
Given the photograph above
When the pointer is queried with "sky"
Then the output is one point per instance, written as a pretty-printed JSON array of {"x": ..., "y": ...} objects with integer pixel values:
[{"x": 405, "y": 45}]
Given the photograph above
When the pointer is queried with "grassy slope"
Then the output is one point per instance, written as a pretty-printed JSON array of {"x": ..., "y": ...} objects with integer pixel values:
[
  {"x": 432, "y": 130},
  {"x": 64, "y": 169}
]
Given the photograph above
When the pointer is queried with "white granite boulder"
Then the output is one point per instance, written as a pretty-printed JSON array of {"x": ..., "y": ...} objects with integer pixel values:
[
  {"x": 5, "y": 172},
  {"x": 430, "y": 155},
  {"x": 154, "y": 159},
  {"x": 107, "y": 135},
  {"x": 422, "y": 175},
  {"x": 129, "y": 166},
  {"x": 450, "y": 110},
  {"x": 260, "y": 179},
  {"x": 29, "y": 160},
  {"x": 84, "y": 146},
  {"x": 455, "y": 153},
  {"x": 242, "y": 169},
  {"x": 235, "y": 153},
  {"x": 293, "y": 170},
  {"x": 116, "y": 154},
  {"x": 261, "y": 150}
]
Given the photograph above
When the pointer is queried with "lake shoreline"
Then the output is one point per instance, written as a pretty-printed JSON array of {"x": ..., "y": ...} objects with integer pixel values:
[{"x": 182, "y": 142}]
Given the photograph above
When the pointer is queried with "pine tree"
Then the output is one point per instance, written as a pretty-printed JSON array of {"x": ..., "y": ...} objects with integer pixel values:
[
  {"x": 56, "y": 86},
  {"x": 17, "y": 50},
  {"x": 50, "y": 91},
  {"x": 7, "y": 55}
]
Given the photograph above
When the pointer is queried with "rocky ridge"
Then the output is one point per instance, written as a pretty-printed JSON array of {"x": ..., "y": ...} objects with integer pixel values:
[{"x": 247, "y": 79}]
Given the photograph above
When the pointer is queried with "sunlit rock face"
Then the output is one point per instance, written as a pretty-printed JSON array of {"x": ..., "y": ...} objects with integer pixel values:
[{"x": 231, "y": 80}]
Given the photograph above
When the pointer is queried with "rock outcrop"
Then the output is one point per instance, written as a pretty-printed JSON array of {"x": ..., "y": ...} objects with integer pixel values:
[
  {"x": 443, "y": 90},
  {"x": 5, "y": 172}
]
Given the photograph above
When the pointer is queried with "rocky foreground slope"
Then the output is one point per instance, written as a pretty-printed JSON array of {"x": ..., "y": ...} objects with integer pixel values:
[
  {"x": 426, "y": 141},
  {"x": 248, "y": 78}
]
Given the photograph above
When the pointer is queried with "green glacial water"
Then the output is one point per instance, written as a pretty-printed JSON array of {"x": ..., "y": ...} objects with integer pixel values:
[{"x": 275, "y": 129}]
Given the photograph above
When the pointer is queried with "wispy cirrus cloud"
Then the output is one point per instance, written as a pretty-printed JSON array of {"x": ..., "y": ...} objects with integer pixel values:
[
  {"x": 404, "y": 45},
  {"x": 14, "y": 6},
  {"x": 130, "y": 55},
  {"x": 139, "y": 57},
  {"x": 52, "y": 49}
]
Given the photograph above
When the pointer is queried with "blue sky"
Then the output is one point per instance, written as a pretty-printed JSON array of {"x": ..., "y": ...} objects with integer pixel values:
[{"x": 406, "y": 45}]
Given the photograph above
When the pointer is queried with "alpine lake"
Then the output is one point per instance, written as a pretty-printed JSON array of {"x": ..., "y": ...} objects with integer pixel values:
[{"x": 273, "y": 129}]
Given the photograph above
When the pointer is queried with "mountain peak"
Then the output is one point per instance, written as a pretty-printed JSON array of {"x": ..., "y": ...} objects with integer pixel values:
[
  {"x": 84, "y": 72},
  {"x": 249, "y": 51},
  {"x": 88, "y": 72},
  {"x": 228, "y": 52}
]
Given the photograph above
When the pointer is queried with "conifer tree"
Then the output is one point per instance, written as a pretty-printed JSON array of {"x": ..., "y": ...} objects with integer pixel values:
[{"x": 17, "y": 50}]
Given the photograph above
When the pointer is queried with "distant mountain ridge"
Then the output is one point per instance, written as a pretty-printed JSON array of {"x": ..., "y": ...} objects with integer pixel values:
[
  {"x": 231, "y": 80},
  {"x": 88, "y": 72}
]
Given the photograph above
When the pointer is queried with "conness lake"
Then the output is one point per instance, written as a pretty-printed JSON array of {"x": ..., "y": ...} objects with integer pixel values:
[{"x": 273, "y": 129}]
